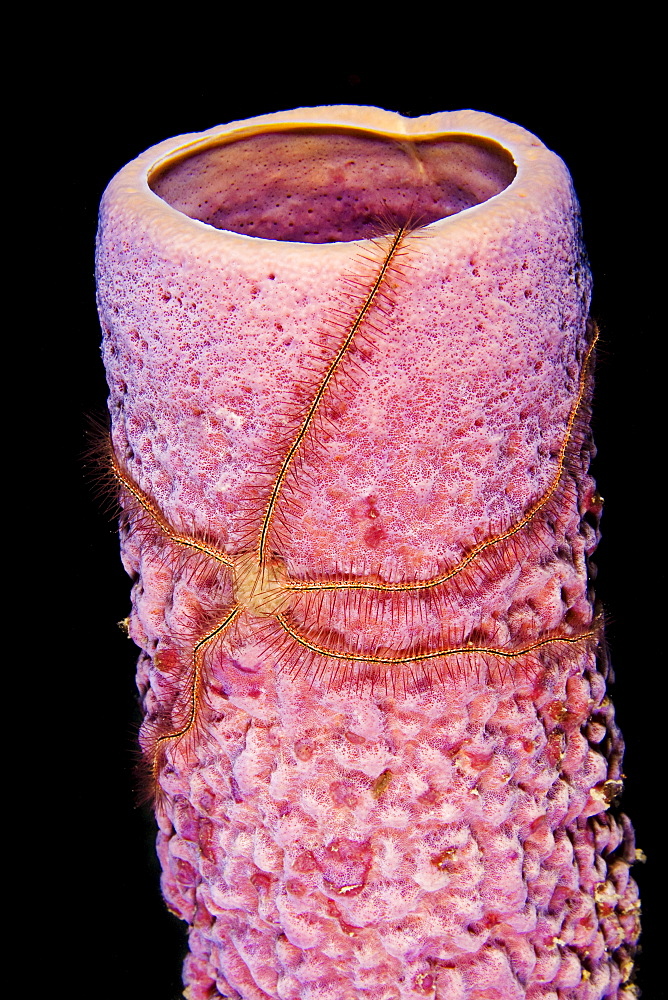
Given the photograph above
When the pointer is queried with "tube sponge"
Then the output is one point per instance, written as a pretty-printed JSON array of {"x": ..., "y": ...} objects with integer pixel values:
[{"x": 350, "y": 366}]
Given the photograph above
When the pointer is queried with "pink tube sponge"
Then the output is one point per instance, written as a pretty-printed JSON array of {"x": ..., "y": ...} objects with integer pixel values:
[{"x": 350, "y": 367}]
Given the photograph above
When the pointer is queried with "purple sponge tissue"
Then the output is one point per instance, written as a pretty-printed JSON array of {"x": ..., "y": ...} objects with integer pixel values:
[{"x": 350, "y": 368}]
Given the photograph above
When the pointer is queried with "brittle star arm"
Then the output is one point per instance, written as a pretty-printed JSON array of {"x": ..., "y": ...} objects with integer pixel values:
[
  {"x": 154, "y": 513},
  {"x": 322, "y": 389},
  {"x": 406, "y": 586},
  {"x": 196, "y": 680},
  {"x": 435, "y": 653}
]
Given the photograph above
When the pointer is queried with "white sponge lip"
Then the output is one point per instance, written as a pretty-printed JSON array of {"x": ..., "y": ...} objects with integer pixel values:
[{"x": 542, "y": 180}]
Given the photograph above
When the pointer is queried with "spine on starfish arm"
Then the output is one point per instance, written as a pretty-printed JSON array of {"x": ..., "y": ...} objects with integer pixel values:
[{"x": 353, "y": 468}]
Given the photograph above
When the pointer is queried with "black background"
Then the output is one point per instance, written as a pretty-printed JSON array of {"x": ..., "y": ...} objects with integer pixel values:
[{"x": 591, "y": 102}]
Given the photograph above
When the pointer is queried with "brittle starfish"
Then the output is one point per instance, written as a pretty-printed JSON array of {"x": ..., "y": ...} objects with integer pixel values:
[{"x": 265, "y": 597}]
